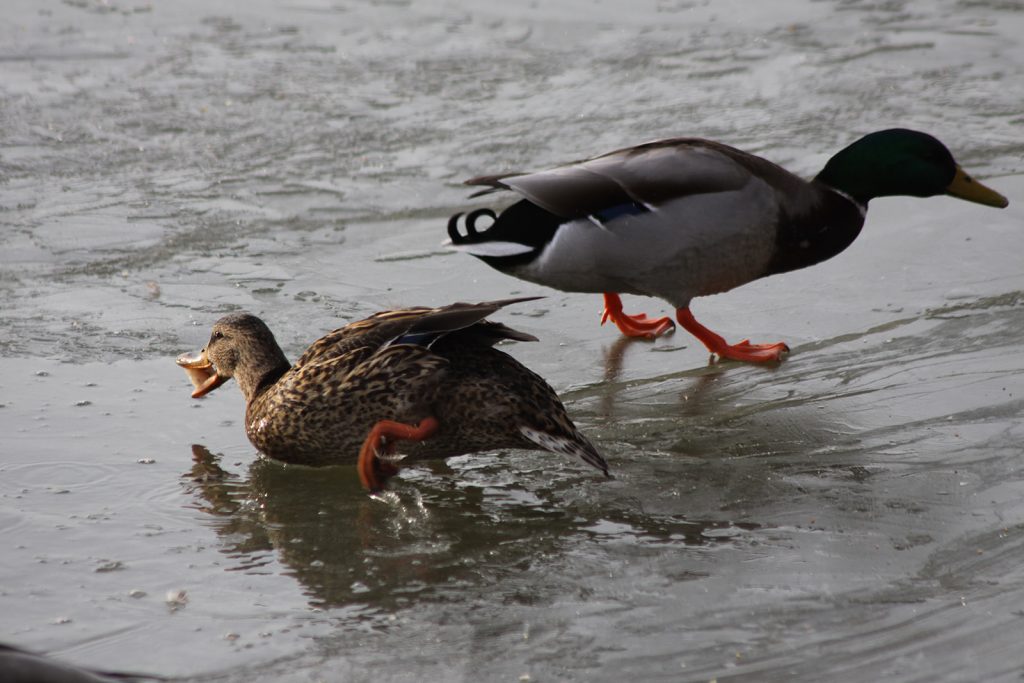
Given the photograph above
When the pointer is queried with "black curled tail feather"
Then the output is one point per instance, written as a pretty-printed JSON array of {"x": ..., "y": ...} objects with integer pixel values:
[
  {"x": 472, "y": 234},
  {"x": 453, "y": 229}
]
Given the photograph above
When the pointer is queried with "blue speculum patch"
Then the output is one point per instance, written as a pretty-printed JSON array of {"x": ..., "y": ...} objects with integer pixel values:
[
  {"x": 419, "y": 338},
  {"x": 619, "y": 210}
]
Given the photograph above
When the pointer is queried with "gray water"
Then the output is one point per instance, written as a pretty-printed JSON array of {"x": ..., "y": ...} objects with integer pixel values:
[{"x": 855, "y": 514}]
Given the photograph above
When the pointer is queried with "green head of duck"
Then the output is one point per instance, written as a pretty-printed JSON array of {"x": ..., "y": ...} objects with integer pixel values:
[{"x": 902, "y": 162}]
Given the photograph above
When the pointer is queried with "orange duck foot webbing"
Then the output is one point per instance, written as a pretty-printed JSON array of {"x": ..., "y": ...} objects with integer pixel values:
[
  {"x": 744, "y": 351},
  {"x": 373, "y": 472},
  {"x": 633, "y": 325}
]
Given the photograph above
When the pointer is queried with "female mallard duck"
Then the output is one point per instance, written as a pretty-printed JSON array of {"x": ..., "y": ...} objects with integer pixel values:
[
  {"x": 427, "y": 376},
  {"x": 686, "y": 217}
]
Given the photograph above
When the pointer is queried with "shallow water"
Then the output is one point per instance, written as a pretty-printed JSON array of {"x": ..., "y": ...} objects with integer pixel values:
[{"x": 856, "y": 513}]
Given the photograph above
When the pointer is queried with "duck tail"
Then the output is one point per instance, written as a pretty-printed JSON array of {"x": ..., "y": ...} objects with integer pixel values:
[
  {"x": 496, "y": 241},
  {"x": 576, "y": 445},
  {"x": 469, "y": 222}
]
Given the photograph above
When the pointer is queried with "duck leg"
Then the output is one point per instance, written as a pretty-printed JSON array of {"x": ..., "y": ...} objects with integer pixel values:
[
  {"x": 633, "y": 325},
  {"x": 373, "y": 473},
  {"x": 745, "y": 351}
]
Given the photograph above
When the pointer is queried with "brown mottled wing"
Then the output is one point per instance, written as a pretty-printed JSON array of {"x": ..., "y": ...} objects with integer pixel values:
[
  {"x": 649, "y": 174},
  {"x": 329, "y": 406},
  {"x": 489, "y": 333},
  {"x": 491, "y": 394},
  {"x": 336, "y": 344},
  {"x": 459, "y": 316},
  {"x": 384, "y": 327},
  {"x": 398, "y": 378}
]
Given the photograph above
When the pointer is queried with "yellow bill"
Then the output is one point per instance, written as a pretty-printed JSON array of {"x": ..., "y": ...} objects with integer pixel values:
[
  {"x": 966, "y": 187},
  {"x": 201, "y": 373}
]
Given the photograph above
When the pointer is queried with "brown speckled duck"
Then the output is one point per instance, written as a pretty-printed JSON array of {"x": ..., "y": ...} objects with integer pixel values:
[{"x": 427, "y": 378}]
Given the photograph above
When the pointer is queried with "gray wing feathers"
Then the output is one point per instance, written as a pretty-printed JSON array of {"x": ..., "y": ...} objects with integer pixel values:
[
  {"x": 650, "y": 174},
  {"x": 570, "y": 191}
]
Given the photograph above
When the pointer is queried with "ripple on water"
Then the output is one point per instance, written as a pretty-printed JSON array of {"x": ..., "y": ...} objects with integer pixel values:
[{"x": 64, "y": 475}]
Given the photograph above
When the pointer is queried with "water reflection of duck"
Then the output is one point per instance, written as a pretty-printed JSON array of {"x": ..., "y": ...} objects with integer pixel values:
[
  {"x": 22, "y": 666},
  {"x": 341, "y": 548},
  {"x": 428, "y": 378},
  {"x": 686, "y": 217},
  {"x": 423, "y": 545}
]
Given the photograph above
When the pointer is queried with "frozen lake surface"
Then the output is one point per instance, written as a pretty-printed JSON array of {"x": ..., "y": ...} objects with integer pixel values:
[{"x": 854, "y": 514}]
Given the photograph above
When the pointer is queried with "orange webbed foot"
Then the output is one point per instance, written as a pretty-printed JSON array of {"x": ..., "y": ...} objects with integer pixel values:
[
  {"x": 638, "y": 325},
  {"x": 743, "y": 351},
  {"x": 374, "y": 472},
  {"x": 753, "y": 353}
]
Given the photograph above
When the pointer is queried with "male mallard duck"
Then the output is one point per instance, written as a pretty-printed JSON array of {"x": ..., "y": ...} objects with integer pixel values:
[
  {"x": 686, "y": 217},
  {"x": 427, "y": 376}
]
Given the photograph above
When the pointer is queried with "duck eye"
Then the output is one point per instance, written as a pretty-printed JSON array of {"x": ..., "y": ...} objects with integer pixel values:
[{"x": 218, "y": 335}]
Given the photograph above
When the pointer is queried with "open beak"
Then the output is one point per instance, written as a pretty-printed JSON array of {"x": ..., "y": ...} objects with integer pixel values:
[
  {"x": 966, "y": 187},
  {"x": 201, "y": 372}
]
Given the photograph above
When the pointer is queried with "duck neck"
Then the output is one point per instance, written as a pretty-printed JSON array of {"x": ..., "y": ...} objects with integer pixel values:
[
  {"x": 817, "y": 230},
  {"x": 848, "y": 181},
  {"x": 258, "y": 375}
]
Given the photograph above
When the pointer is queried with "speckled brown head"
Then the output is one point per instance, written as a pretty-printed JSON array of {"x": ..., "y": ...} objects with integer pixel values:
[{"x": 240, "y": 346}]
